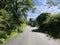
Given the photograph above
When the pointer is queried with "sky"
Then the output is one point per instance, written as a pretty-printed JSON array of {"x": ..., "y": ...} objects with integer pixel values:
[{"x": 41, "y": 7}]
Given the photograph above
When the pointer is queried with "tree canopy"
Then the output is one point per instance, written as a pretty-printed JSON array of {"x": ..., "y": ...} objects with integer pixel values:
[
  {"x": 49, "y": 24},
  {"x": 53, "y": 3},
  {"x": 13, "y": 13}
]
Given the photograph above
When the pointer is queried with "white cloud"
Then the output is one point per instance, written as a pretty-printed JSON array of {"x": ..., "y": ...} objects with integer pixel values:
[
  {"x": 43, "y": 8},
  {"x": 53, "y": 9},
  {"x": 43, "y": 1}
]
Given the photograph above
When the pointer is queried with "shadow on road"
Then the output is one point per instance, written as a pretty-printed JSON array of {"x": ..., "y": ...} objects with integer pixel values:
[{"x": 37, "y": 30}]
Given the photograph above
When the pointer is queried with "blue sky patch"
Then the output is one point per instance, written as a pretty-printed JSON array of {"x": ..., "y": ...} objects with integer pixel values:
[{"x": 41, "y": 7}]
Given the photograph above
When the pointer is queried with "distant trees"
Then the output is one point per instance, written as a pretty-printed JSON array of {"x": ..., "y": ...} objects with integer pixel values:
[
  {"x": 50, "y": 24},
  {"x": 30, "y": 21}
]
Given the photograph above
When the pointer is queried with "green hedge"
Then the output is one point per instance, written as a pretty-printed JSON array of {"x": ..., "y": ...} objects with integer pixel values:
[
  {"x": 8, "y": 26},
  {"x": 50, "y": 24}
]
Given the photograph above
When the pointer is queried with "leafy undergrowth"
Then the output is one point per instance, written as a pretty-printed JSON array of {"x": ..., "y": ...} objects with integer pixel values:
[
  {"x": 2, "y": 41},
  {"x": 23, "y": 27},
  {"x": 13, "y": 34}
]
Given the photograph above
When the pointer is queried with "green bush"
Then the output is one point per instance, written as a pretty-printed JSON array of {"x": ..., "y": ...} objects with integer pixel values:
[
  {"x": 2, "y": 40},
  {"x": 10, "y": 25},
  {"x": 22, "y": 27},
  {"x": 50, "y": 24},
  {"x": 53, "y": 25},
  {"x": 41, "y": 18}
]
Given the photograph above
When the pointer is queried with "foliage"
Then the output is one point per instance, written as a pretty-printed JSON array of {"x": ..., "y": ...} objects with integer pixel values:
[
  {"x": 41, "y": 18},
  {"x": 30, "y": 21},
  {"x": 51, "y": 25},
  {"x": 23, "y": 27},
  {"x": 2, "y": 41},
  {"x": 4, "y": 21},
  {"x": 53, "y": 3},
  {"x": 13, "y": 13}
]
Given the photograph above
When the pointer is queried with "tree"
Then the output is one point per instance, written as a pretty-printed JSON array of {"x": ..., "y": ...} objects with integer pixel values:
[
  {"x": 5, "y": 27},
  {"x": 53, "y": 3},
  {"x": 49, "y": 24},
  {"x": 53, "y": 25},
  {"x": 20, "y": 9},
  {"x": 30, "y": 21},
  {"x": 12, "y": 14},
  {"x": 41, "y": 18},
  {"x": 17, "y": 8}
]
